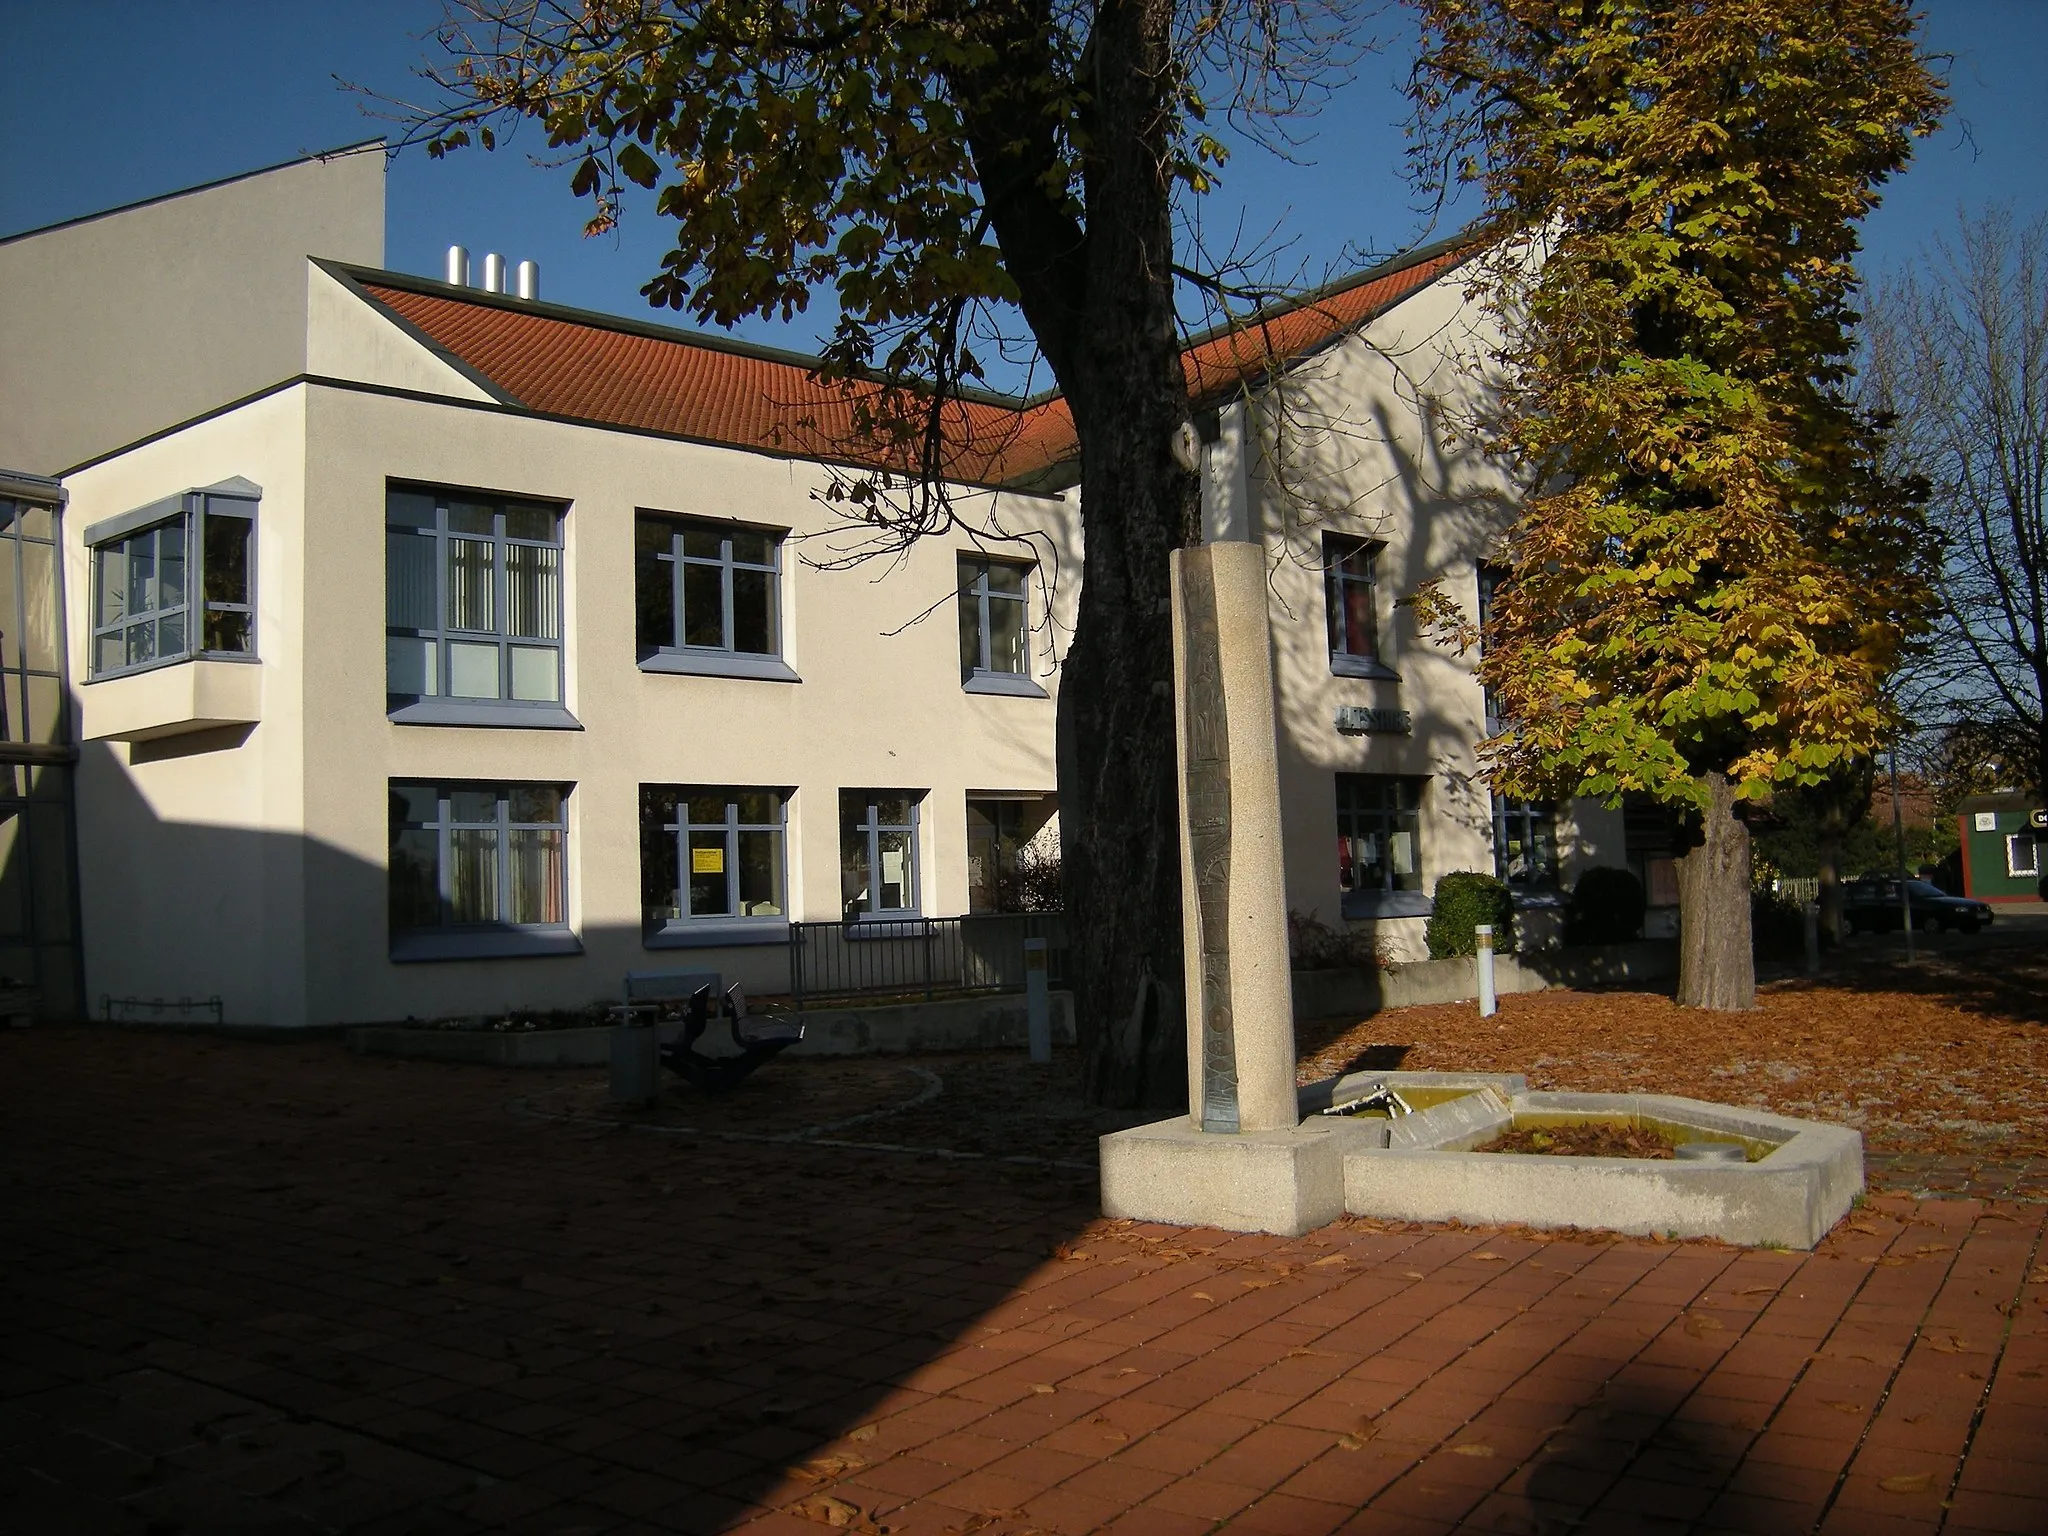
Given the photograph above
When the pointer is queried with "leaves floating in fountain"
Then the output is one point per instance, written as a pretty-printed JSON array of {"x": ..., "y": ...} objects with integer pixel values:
[{"x": 1588, "y": 1138}]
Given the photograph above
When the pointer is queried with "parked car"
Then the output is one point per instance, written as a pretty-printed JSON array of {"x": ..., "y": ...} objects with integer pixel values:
[{"x": 1871, "y": 905}]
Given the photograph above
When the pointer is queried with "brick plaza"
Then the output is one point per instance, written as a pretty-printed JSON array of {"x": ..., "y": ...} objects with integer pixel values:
[{"x": 275, "y": 1288}]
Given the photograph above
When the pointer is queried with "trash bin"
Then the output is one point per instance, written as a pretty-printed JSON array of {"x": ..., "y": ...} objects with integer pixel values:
[{"x": 636, "y": 1063}]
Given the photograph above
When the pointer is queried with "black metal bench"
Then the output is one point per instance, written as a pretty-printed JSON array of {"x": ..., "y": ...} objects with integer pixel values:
[{"x": 758, "y": 1038}]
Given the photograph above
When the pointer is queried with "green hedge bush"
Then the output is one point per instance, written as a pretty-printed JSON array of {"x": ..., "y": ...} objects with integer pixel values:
[
  {"x": 1464, "y": 900},
  {"x": 1777, "y": 926},
  {"x": 1606, "y": 907}
]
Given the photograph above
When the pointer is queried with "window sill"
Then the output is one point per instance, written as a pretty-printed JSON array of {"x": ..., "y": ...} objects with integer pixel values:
[
  {"x": 1373, "y": 904},
  {"x": 1014, "y": 684},
  {"x": 490, "y": 713},
  {"x": 764, "y": 669},
  {"x": 485, "y": 944},
  {"x": 714, "y": 934},
  {"x": 1362, "y": 666}
]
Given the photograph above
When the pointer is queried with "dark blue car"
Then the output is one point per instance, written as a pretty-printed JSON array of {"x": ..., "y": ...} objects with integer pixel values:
[{"x": 1871, "y": 905}]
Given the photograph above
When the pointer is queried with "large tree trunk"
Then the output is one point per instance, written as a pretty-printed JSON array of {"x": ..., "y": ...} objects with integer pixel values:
[
  {"x": 1830, "y": 898},
  {"x": 1716, "y": 966},
  {"x": 1099, "y": 297},
  {"x": 1117, "y": 786}
]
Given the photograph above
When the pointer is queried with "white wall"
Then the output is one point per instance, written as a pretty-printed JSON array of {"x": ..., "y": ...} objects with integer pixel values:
[
  {"x": 267, "y": 855},
  {"x": 1373, "y": 438},
  {"x": 192, "y": 853},
  {"x": 123, "y": 324}
]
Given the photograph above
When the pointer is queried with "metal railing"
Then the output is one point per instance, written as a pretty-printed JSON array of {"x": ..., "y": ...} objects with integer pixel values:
[
  {"x": 1799, "y": 888},
  {"x": 921, "y": 957}
]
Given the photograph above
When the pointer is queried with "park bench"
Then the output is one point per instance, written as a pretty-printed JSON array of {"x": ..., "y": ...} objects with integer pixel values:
[
  {"x": 758, "y": 1038},
  {"x": 661, "y": 994}
]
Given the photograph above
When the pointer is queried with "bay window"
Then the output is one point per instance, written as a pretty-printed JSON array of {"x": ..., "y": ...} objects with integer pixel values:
[{"x": 175, "y": 581}]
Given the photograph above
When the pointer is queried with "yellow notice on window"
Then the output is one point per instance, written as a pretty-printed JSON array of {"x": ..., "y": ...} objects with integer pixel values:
[{"x": 707, "y": 861}]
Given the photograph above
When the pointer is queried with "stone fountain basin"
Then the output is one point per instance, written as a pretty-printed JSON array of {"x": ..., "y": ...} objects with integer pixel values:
[{"x": 1803, "y": 1178}]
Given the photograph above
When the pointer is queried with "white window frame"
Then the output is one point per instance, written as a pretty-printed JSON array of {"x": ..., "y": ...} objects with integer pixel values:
[
  {"x": 2012, "y": 866},
  {"x": 978, "y": 600}
]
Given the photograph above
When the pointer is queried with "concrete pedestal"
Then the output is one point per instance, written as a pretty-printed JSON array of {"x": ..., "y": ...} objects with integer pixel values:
[{"x": 1286, "y": 1182}]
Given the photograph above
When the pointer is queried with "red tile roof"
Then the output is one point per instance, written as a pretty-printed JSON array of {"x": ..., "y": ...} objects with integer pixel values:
[{"x": 595, "y": 368}]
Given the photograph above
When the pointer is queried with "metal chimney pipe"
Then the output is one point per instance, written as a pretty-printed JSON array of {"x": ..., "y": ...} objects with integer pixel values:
[
  {"x": 528, "y": 277},
  {"x": 458, "y": 266},
  {"x": 494, "y": 273}
]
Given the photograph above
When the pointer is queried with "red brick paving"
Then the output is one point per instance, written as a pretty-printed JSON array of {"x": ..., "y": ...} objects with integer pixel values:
[{"x": 274, "y": 1288}]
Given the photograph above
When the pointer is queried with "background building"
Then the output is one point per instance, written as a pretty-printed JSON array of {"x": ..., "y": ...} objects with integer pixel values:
[{"x": 454, "y": 651}]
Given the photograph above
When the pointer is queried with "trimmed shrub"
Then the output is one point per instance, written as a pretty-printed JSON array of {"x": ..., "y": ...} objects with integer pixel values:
[
  {"x": 1313, "y": 945},
  {"x": 1464, "y": 900},
  {"x": 1606, "y": 907},
  {"x": 1777, "y": 926}
]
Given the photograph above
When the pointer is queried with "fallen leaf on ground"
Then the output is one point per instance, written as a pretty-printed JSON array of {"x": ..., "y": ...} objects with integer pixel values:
[
  {"x": 1203, "y": 1296},
  {"x": 1493, "y": 1258},
  {"x": 1328, "y": 1259},
  {"x": 865, "y": 1432},
  {"x": 1908, "y": 1482},
  {"x": 1364, "y": 1430},
  {"x": 824, "y": 1468},
  {"x": 1697, "y": 1324},
  {"x": 1414, "y": 1274},
  {"x": 826, "y": 1510},
  {"x": 1840, "y": 1407},
  {"x": 1043, "y": 1388},
  {"x": 1471, "y": 1448}
]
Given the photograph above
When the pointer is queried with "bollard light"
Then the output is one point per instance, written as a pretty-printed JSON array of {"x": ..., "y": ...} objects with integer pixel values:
[
  {"x": 1037, "y": 1001},
  {"x": 1488, "y": 1006}
]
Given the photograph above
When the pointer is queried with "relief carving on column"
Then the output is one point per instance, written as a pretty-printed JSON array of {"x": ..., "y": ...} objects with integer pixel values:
[{"x": 1208, "y": 800}]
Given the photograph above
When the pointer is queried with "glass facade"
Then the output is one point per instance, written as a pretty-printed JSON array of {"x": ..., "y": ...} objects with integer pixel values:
[{"x": 39, "y": 948}]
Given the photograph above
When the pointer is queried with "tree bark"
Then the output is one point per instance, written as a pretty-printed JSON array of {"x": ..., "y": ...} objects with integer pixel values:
[
  {"x": 1116, "y": 741},
  {"x": 1716, "y": 965},
  {"x": 1098, "y": 294}
]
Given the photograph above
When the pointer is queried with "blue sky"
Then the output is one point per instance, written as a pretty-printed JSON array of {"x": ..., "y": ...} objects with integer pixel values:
[{"x": 158, "y": 96}]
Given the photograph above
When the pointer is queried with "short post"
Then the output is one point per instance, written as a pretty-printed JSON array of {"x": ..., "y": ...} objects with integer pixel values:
[
  {"x": 636, "y": 1063},
  {"x": 1488, "y": 1005},
  {"x": 1037, "y": 1001},
  {"x": 1810, "y": 913}
]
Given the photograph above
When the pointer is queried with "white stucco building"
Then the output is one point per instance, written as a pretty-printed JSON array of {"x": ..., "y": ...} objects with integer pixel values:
[{"x": 447, "y": 651}]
